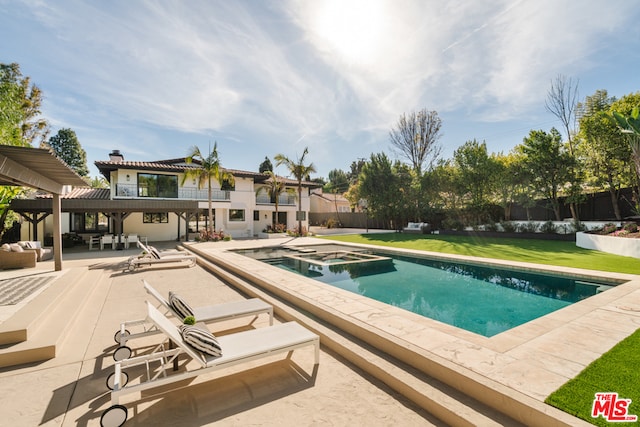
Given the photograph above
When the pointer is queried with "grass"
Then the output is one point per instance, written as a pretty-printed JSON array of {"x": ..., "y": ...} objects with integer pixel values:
[
  {"x": 616, "y": 371},
  {"x": 549, "y": 252}
]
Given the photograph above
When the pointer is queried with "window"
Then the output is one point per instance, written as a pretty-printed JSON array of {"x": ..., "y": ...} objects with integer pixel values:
[
  {"x": 153, "y": 185},
  {"x": 155, "y": 217},
  {"x": 301, "y": 215},
  {"x": 256, "y": 215},
  {"x": 236, "y": 214},
  {"x": 89, "y": 222}
]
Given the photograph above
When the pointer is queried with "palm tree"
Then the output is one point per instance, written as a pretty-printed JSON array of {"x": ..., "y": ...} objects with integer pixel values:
[
  {"x": 209, "y": 168},
  {"x": 299, "y": 170},
  {"x": 274, "y": 188}
]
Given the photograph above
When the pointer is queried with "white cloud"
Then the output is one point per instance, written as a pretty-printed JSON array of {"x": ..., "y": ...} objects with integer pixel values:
[{"x": 331, "y": 74}]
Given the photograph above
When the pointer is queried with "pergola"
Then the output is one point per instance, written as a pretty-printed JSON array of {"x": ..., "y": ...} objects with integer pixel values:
[{"x": 41, "y": 169}]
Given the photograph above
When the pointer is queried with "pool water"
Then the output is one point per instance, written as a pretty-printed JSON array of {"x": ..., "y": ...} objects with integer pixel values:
[{"x": 483, "y": 300}]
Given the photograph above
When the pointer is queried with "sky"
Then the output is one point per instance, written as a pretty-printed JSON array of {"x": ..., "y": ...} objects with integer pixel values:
[{"x": 154, "y": 78}]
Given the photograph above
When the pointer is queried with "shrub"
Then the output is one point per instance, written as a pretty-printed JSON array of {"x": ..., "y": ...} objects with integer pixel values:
[
  {"x": 294, "y": 232},
  {"x": 548, "y": 227},
  {"x": 508, "y": 226},
  {"x": 332, "y": 223},
  {"x": 214, "y": 236},
  {"x": 453, "y": 224},
  {"x": 630, "y": 227},
  {"x": 578, "y": 226},
  {"x": 491, "y": 226},
  {"x": 609, "y": 228},
  {"x": 528, "y": 227}
]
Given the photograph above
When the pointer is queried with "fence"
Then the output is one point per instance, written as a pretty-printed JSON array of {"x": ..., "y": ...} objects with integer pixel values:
[{"x": 596, "y": 207}]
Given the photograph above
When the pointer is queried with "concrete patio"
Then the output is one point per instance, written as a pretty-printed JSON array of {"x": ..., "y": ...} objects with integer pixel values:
[
  {"x": 69, "y": 390},
  {"x": 362, "y": 378}
]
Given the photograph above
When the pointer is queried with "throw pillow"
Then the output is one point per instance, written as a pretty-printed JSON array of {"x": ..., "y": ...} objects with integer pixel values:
[
  {"x": 180, "y": 306},
  {"x": 202, "y": 340},
  {"x": 5, "y": 247},
  {"x": 16, "y": 247}
]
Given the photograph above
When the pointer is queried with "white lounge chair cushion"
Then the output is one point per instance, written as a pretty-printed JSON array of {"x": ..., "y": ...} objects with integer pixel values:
[
  {"x": 180, "y": 306},
  {"x": 201, "y": 340}
]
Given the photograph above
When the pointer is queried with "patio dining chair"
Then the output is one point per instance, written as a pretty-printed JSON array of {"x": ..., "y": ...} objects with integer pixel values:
[
  {"x": 107, "y": 239},
  {"x": 131, "y": 238}
]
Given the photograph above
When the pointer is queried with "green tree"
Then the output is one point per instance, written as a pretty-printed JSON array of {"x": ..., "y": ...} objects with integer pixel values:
[
  {"x": 67, "y": 147},
  {"x": 354, "y": 170},
  {"x": 208, "y": 169},
  {"x": 506, "y": 179},
  {"x": 476, "y": 174},
  {"x": 626, "y": 113},
  {"x": 99, "y": 182},
  {"x": 266, "y": 165},
  {"x": 20, "y": 102},
  {"x": 441, "y": 186},
  {"x": 338, "y": 182},
  {"x": 548, "y": 163},
  {"x": 386, "y": 187},
  {"x": 8, "y": 217},
  {"x": 274, "y": 187},
  {"x": 20, "y": 125},
  {"x": 603, "y": 149},
  {"x": 415, "y": 138},
  {"x": 300, "y": 171}
]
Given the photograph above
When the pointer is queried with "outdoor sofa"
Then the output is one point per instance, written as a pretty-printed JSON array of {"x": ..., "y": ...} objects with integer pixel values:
[
  {"x": 417, "y": 227},
  {"x": 14, "y": 256},
  {"x": 43, "y": 254}
]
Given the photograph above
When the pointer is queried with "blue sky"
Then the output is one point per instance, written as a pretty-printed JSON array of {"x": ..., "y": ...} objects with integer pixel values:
[{"x": 153, "y": 78}]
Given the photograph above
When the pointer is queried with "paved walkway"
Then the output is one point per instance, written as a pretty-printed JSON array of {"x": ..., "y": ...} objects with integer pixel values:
[{"x": 69, "y": 390}]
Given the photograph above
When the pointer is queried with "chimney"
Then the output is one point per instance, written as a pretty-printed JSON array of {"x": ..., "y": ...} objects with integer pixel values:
[{"x": 115, "y": 156}]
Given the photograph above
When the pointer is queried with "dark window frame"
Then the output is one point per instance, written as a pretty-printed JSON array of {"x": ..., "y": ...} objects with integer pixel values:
[
  {"x": 156, "y": 185},
  {"x": 155, "y": 217}
]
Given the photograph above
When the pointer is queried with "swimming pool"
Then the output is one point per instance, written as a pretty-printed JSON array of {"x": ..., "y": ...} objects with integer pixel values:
[{"x": 482, "y": 299}]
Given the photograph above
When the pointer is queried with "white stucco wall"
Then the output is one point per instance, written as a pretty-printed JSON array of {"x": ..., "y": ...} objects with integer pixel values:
[{"x": 610, "y": 244}]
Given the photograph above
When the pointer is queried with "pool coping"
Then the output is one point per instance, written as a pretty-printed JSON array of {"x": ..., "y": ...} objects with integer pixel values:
[{"x": 533, "y": 359}]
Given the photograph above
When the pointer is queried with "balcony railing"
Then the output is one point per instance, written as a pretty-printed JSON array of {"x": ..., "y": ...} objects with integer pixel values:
[
  {"x": 131, "y": 191},
  {"x": 284, "y": 199}
]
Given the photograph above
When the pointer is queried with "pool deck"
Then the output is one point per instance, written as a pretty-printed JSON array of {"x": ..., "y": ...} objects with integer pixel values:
[{"x": 528, "y": 362}]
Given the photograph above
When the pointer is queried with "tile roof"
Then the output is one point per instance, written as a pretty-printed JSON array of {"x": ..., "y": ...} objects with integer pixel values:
[
  {"x": 80, "y": 193},
  {"x": 180, "y": 165}
]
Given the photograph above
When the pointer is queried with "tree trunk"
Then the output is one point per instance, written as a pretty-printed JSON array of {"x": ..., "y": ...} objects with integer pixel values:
[{"x": 614, "y": 202}]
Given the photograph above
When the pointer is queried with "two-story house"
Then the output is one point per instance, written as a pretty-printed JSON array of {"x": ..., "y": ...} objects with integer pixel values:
[{"x": 155, "y": 200}]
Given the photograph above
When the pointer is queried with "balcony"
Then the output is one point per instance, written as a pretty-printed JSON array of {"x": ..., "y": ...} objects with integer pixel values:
[
  {"x": 132, "y": 191},
  {"x": 283, "y": 200}
]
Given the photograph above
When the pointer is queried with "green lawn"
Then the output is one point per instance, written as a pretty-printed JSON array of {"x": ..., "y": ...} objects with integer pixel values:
[
  {"x": 548, "y": 252},
  {"x": 616, "y": 371}
]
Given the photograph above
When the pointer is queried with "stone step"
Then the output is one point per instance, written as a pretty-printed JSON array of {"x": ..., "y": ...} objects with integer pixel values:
[
  {"x": 42, "y": 336},
  {"x": 460, "y": 399},
  {"x": 27, "y": 319}
]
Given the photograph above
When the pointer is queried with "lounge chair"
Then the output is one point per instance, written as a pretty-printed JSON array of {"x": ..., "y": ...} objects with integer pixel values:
[
  {"x": 235, "y": 348},
  {"x": 151, "y": 255},
  {"x": 205, "y": 314}
]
